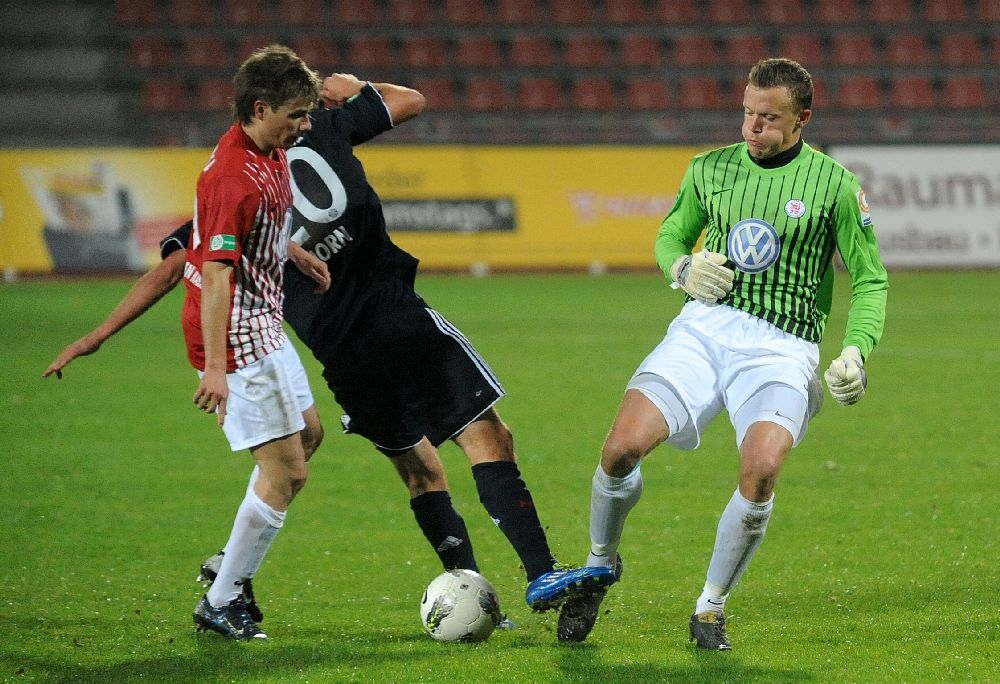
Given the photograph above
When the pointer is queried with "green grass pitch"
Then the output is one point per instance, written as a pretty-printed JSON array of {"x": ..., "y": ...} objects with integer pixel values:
[{"x": 880, "y": 563}]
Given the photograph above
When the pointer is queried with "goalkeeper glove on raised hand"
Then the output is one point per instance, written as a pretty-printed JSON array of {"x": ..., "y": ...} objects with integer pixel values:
[
  {"x": 846, "y": 377},
  {"x": 703, "y": 275}
]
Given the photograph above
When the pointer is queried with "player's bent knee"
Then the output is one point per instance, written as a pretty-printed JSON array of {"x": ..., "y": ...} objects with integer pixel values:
[
  {"x": 618, "y": 459},
  {"x": 311, "y": 441}
]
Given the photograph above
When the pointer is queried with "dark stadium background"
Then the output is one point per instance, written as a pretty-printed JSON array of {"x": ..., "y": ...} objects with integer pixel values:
[{"x": 156, "y": 72}]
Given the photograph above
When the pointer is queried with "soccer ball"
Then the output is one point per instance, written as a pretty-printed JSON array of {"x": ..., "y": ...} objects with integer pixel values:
[{"x": 460, "y": 605}]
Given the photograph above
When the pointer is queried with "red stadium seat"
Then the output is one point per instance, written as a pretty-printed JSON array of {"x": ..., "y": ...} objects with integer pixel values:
[
  {"x": 836, "y": 11},
  {"x": 439, "y": 91},
  {"x": 859, "y": 92},
  {"x": 410, "y": 12},
  {"x": 486, "y": 94},
  {"x": 527, "y": 12},
  {"x": 701, "y": 92},
  {"x": 646, "y": 93},
  {"x": 784, "y": 11},
  {"x": 423, "y": 51},
  {"x": 206, "y": 52},
  {"x": 728, "y": 11},
  {"x": 165, "y": 96},
  {"x": 640, "y": 50},
  {"x": 185, "y": 13},
  {"x": 477, "y": 51},
  {"x": 532, "y": 51},
  {"x": 852, "y": 48},
  {"x": 466, "y": 12},
  {"x": 318, "y": 51},
  {"x": 987, "y": 11},
  {"x": 693, "y": 50},
  {"x": 821, "y": 98},
  {"x": 214, "y": 95},
  {"x": 625, "y": 12},
  {"x": 891, "y": 11},
  {"x": 675, "y": 11},
  {"x": 302, "y": 13},
  {"x": 538, "y": 93},
  {"x": 965, "y": 91},
  {"x": 245, "y": 12},
  {"x": 907, "y": 49},
  {"x": 593, "y": 93},
  {"x": 356, "y": 12},
  {"x": 960, "y": 48},
  {"x": 369, "y": 51},
  {"x": 806, "y": 48},
  {"x": 585, "y": 50},
  {"x": 744, "y": 49},
  {"x": 571, "y": 11},
  {"x": 142, "y": 13},
  {"x": 912, "y": 92},
  {"x": 944, "y": 11},
  {"x": 150, "y": 52},
  {"x": 246, "y": 43}
]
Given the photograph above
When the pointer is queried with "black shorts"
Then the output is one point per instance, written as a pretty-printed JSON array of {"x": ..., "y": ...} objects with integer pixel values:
[{"x": 404, "y": 372}]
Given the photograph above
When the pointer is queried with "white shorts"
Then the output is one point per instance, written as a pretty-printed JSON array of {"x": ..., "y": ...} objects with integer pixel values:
[
  {"x": 266, "y": 399},
  {"x": 718, "y": 357}
]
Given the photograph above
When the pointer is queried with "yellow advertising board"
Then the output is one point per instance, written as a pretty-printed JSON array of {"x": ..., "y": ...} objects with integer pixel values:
[{"x": 453, "y": 207}]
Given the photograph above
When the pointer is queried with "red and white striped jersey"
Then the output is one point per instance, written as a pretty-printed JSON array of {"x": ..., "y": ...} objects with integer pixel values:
[{"x": 241, "y": 217}]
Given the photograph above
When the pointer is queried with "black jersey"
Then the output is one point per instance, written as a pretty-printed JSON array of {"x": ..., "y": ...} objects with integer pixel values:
[{"x": 338, "y": 217}]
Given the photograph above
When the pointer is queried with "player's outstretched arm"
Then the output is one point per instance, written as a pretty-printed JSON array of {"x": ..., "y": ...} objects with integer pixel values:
[{"x": 146, "y": 291}]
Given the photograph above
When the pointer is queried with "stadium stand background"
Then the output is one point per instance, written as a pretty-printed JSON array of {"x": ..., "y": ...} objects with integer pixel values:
[{"x": 156, "y": 72}]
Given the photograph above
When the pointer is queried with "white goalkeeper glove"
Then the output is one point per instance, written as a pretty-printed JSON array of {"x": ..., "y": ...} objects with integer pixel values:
[
  {"x": 846, "y": 377},
  {"x": 703, "y": 275}
]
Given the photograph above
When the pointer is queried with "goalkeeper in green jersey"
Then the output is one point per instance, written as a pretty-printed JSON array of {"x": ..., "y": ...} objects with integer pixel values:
[{"x": 773, "y": 211}]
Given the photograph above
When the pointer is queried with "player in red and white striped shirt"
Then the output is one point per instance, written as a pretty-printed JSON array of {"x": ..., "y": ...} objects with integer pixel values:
[{"x": 250, "y": 373}]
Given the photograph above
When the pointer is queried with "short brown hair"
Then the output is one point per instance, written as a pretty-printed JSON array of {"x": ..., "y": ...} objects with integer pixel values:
[
  {"x": 776, "y": 72},
  {"x": 276, "y": 75}
]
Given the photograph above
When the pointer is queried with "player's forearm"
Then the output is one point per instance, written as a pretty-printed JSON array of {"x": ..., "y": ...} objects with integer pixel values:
[
  {"x": 215, "y": 307},
  {"x": 866, "y": 318},
  {"x": 673, "y": 240},
  {"x": 146, "y": 291},
  {"x": 403, "y": 103},
  {"x": 667, "y": 251},
  {"x": 680, "y": 230}
]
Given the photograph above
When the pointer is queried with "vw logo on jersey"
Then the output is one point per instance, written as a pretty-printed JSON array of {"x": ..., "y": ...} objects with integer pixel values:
[{"x": 753, "y": 245}]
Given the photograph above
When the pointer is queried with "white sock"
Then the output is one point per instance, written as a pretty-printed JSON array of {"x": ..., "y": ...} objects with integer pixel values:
[
  {"x": 611, "y": 500},
  {"x": 740, "y": 532},
  {"x": 254, "y": 529},
  {"x": 254, "y": 474}
]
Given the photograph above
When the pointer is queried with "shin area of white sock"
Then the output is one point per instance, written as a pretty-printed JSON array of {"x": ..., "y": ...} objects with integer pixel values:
[
  {"x": 611, "y": 500},
  {"x": 739, "y": 535},
  {"x": 254, "y": 530},
  {"x": 254, "y": 474}
]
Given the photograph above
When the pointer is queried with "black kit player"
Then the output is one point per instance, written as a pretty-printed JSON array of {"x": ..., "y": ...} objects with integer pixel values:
[{"x": 407, "y": 379}]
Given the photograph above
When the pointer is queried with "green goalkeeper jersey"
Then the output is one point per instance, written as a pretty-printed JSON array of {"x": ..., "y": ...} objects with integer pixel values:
[{"x": 779, "y": 227}]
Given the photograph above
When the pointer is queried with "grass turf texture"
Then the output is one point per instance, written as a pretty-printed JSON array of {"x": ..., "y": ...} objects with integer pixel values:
[{"x": 879, "y": 565}]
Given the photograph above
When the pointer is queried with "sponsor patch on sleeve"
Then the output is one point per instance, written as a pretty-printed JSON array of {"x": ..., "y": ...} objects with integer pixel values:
[
  {"x": 866, "y": 218},
  {"x": 222, "y": 243}
]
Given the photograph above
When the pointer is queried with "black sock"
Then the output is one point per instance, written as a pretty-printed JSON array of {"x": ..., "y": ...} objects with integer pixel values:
[
  {"x": 508, "y": 501},
  {"x": 445, "y": 530}
]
